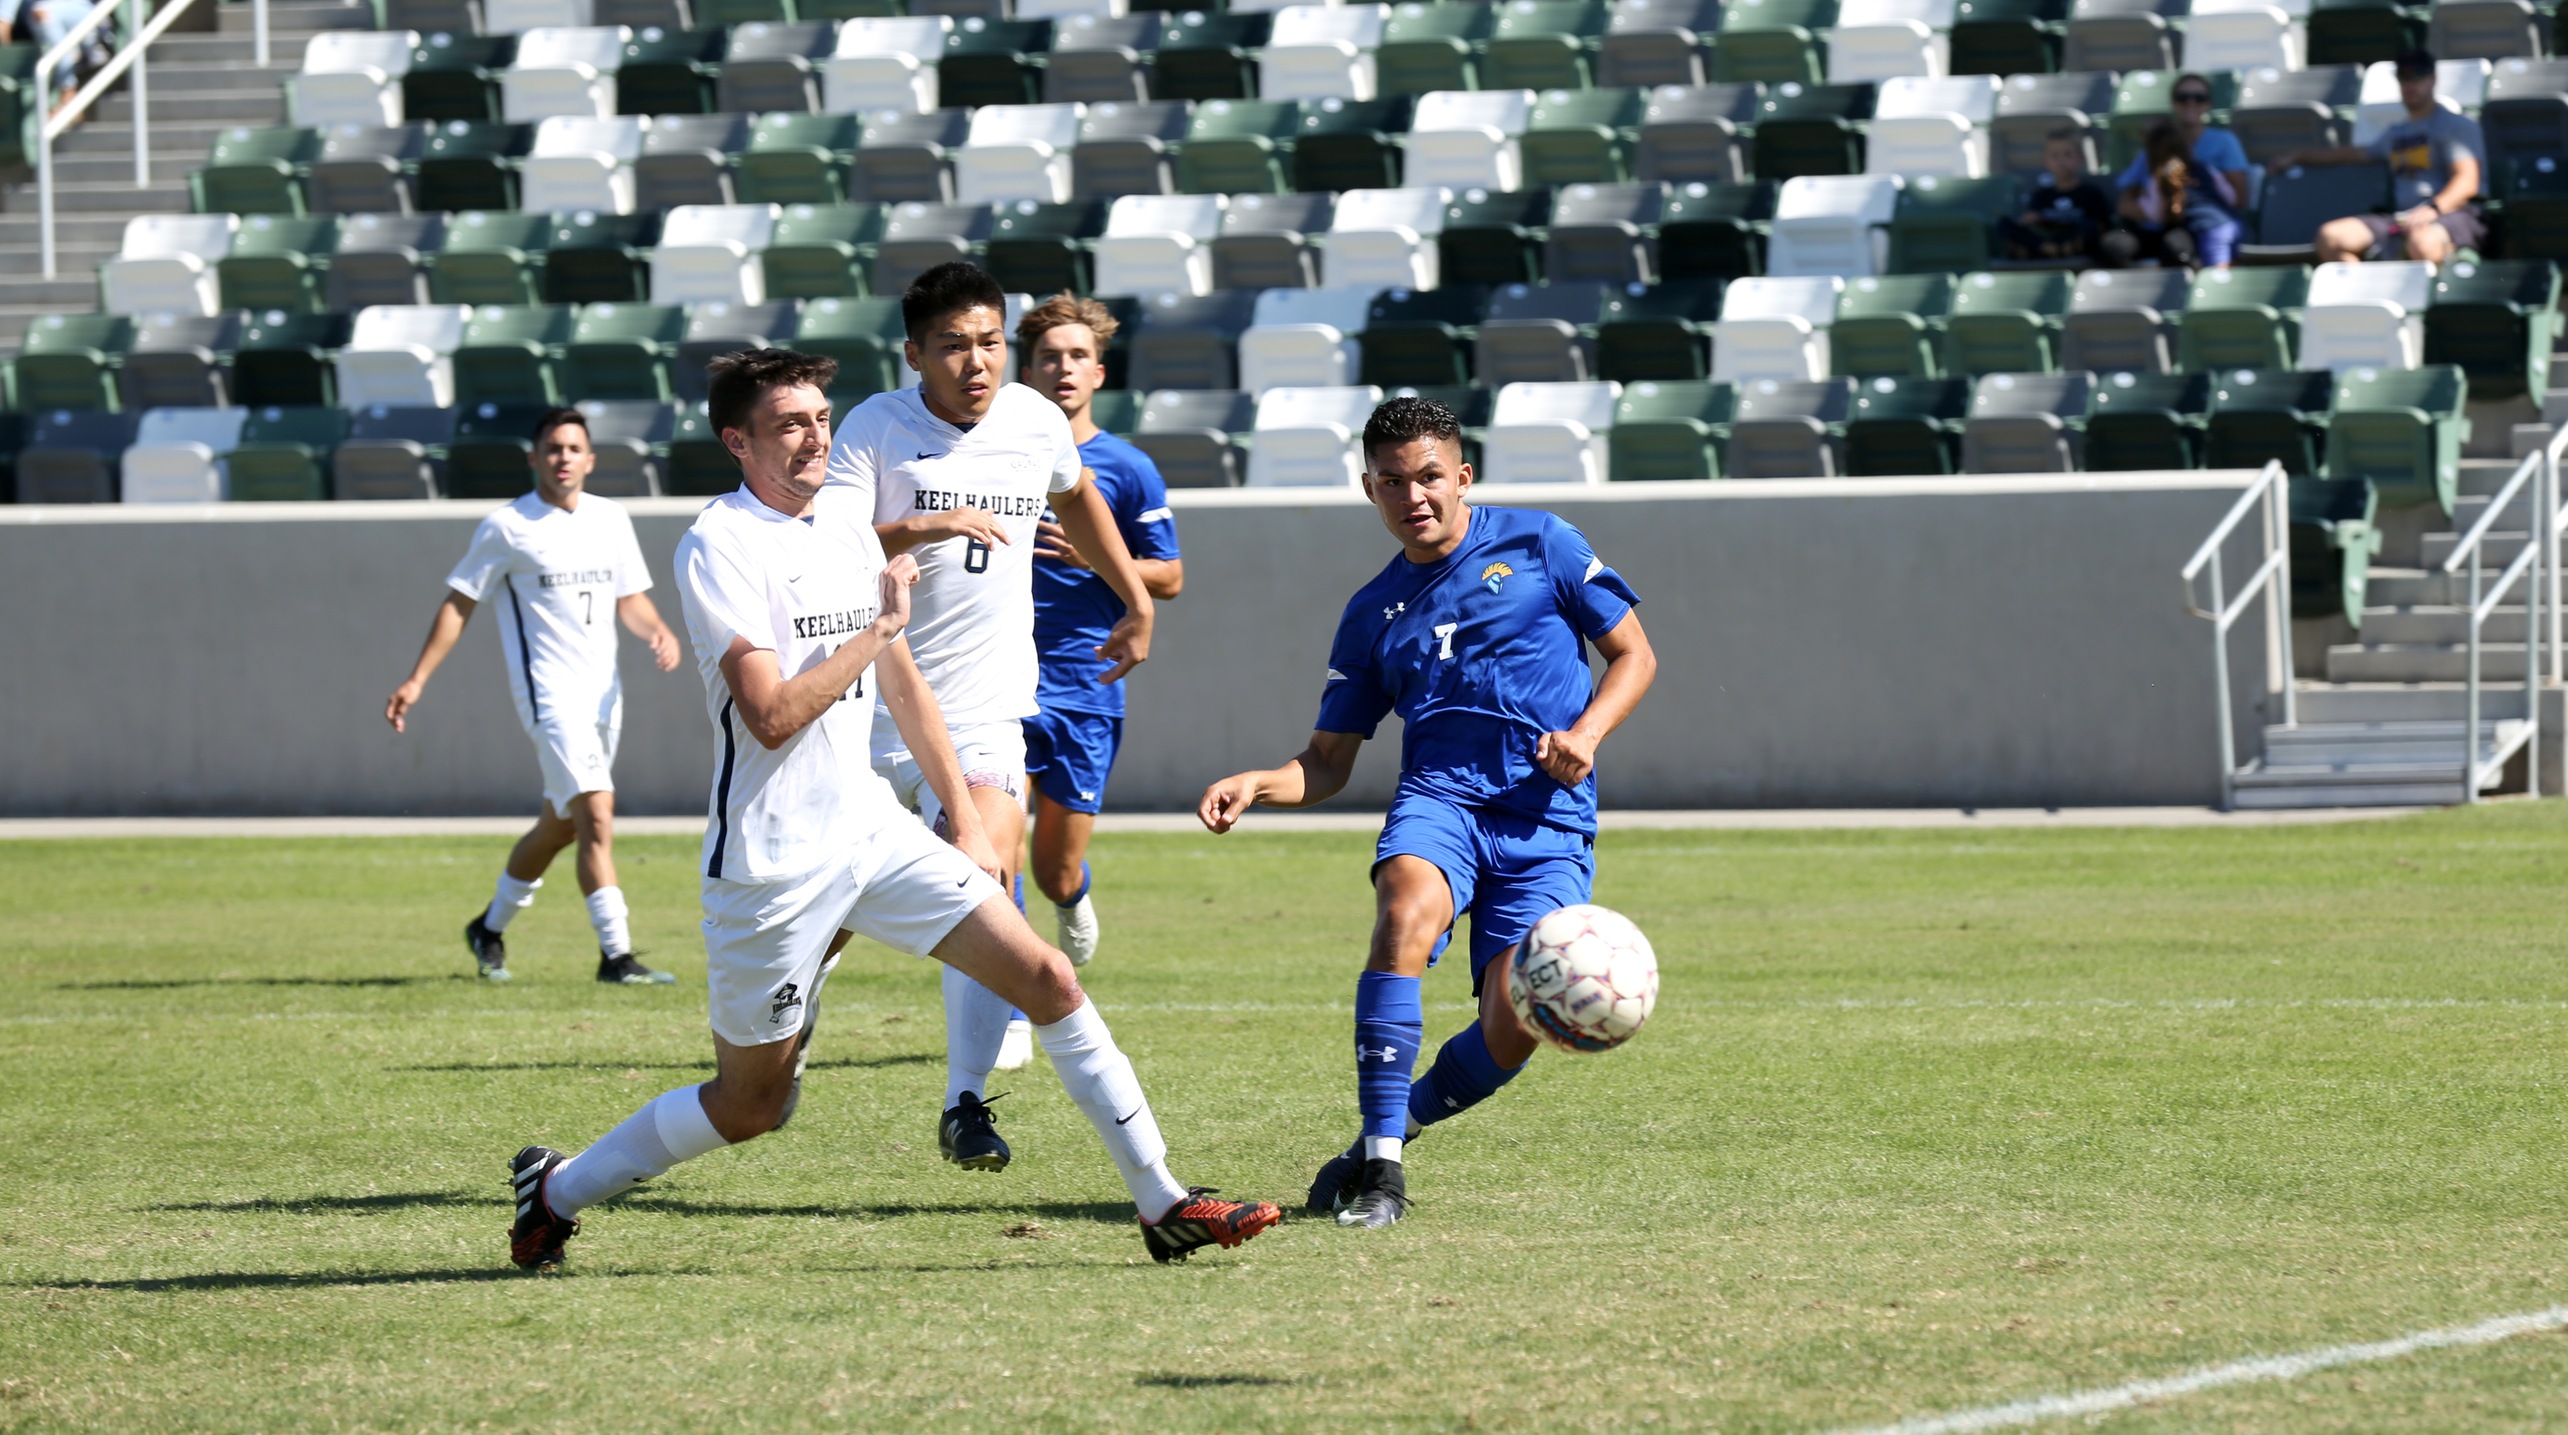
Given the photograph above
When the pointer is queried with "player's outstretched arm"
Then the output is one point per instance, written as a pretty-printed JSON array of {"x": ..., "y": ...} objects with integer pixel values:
[
  {"x": 1630, "y": 665},
  {"x": 774, "y": 707},
  {"x": 1164, "y": 577},
  {"x": 443, "y": 630},
  {"x": 1316, "y": 774},
  {"x": 921, "y": 720},
  {"x": 903, "y": 534},
  {"x": 642, "y": 620},
  {"x": 1090, "y": 526}
]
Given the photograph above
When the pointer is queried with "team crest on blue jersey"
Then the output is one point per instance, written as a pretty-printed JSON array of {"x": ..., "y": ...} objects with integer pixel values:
[{"x": 1495, "y": 574}]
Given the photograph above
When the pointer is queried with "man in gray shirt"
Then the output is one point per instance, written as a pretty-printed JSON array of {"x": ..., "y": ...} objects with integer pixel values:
[{"x": 2438, "y": 171}]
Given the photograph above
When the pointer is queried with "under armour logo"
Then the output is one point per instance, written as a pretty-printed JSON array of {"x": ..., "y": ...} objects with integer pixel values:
[
  {"x": 1394, "y": 611},
  {"x": 1388, "y": 1053}
]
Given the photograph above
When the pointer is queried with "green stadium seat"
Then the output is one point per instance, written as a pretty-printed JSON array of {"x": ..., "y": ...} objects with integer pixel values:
[
  {"x": 1432, "y": 46},
  {"x": 509, "y": 352},
  {"x": 1040, "y": 248},
  {"x": 2242, "y": 318},
  {"x": 1494, "y": 236},
  {"x": 1209, "y": 55},
  {"x": 1888, "y": 324},
  {"x": 284, "y": 455},
  {"x": 719, "y": 328},
  {"x": 2146, "y": 421},
  {"x": 488, "y": 456},
  {"x": 865, "y": 337},
  {"x": 1714, "y": 231},
  {"x": 255, "y": 171},
  {"x": 2401, "y": 431},
  {"x": 1581, "y": 135},
  {"x": 2006, "y": 37},
  {"x": 1662, "y": 332},
  {"x": 698, "y": 465},
  {"x": 1693, "y": 133},
  {"x": 488, "y": 257},
  {"x": 2536, "y": 210},
  {"x": 1807, "y": 129},
  {"x": 454, "y": 75},
  {"x": 2007, "y": 323},
  {"x": 179, "y": 361},
  {"x": 725, "y": 14},
  {"x": 17, "y": 101},
  {"x": 364, "y": 171},
  {"x": 2363, "y": 32},
  {"x": 823, "y": 249},
  {"x": 797, "y": 159},
  {"x": 279, "y": 262},
  {"x": 1422, "y": 337},
  {"x": 1942, "y": 224},
  {"x": 669, "y": 72},
  {"x": 2261, "y": 416},
  {"x": 995, "y": 62},
  {"x": 600, "y": 258},
  {"x": 1773, "y": 41},
  {"x": 467, "y": 165},
  {"x": 1117, "y": 411},
  {"x": 2333, "y": 540},
  {"x": 1906, "y": 425},
  {"x": 1669, "y": 430},
  {"x": 2124, "y": 320},
  {"x": 284, "y": 360},
  {"x": 623, "y": 351},
  {"x": 1544, "y": 45},
  {"x": 1350, "y": 144},
  {"x": 2499, "y": 321},
  {"x": 1239, "y": 147},
  {"x": 69, "y": 361}
]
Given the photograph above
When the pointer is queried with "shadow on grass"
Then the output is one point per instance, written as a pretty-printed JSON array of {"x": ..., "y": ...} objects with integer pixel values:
[
  {"x": 1106, "y": 1212},
  {"x": 1211, "y": 1382},
  {"x": 302, "y": 1280},
  {"x": 177, "y": 983},
  {"x": 383, "y": 1201},
  {"x": 843, "y": 1063}
]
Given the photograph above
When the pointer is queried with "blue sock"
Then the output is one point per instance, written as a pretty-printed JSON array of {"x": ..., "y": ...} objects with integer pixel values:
[
  {"x": 1020, "y": 893},
  {"x": 1465, "y": 1074},
  {"x": 1087, "y": 879},
  {"x": 1390, "y": 1026}
]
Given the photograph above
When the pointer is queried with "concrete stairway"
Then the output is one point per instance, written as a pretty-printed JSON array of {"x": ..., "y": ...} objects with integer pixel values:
[{"x": 200, "y": 84}]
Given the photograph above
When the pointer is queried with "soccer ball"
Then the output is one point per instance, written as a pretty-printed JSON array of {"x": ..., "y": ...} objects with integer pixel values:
[{"x": 1584, "y": 979}]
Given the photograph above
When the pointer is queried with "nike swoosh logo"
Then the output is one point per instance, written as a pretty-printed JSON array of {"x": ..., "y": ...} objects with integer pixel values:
[
  {"x": 930, "y": 455},
  {"x": 1136, "y": 1111}
]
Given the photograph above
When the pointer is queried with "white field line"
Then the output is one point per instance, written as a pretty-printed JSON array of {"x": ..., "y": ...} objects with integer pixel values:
[{"x": 2267, "y": 1367}]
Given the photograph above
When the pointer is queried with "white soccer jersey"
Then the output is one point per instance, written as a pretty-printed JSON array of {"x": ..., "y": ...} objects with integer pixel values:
[
  {"x": 973, "y": 632},
  {"x": 556, "y": 576},
  {"x": 797, "y": 587}
]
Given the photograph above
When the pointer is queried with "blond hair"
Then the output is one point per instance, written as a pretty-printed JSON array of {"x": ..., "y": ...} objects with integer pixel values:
[{"x": 1063, "y": 308}]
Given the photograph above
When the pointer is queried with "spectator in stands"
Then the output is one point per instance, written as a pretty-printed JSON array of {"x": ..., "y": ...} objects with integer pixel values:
[
  {"x": 2438, "y": 170},
  {"x": 44, "y": 24},
  {"x": 2214, "y": 184},
  {"x": 2064, "y": 211}
]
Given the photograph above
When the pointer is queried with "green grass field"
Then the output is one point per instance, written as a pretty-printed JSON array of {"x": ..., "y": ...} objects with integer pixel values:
[{"x": 1925, "y": 1121}]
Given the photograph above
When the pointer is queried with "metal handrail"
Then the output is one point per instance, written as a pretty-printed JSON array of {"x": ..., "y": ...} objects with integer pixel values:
[
  {"x": 2540, "y": 553},
  {"x": 2271, "y": 581}
]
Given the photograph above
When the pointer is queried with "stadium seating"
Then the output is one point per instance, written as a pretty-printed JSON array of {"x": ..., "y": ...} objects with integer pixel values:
[
  {"x": 284, "y": 454},
  {"x": 1658, "y": 42},
  {"x": 2261, "y": 416},
  {"x": 351, "y": 77},
  {"x": 1886, "y": 39},
  {"x": 167, "y": 263},
  {"x": 2146, "y": 420},
  {"x": 1905, "y": 425},
  {"x": 2123, "y": 320},
  {"x": 1307, "y": 437},
  {"x": 1538, "y": 333},
  {"x": 403, "y": 355},
  {"x": 510, "y": 353},
  {"x": 178, "y": 360},
  {"x": 2026, "y": 423},
  {"x": 1932, "y": 126},
  {"x": 1669, "y": 431},
  {"x": 277, "y": 262},
  {"x": 1129, "y": 148},
  {"x": 358, "y": 170},
  {"x": 1776, "y": 328},
  {"x": 178, "y": 454},
  {"x": 582, "y": 162},
  {"x": 2243, "y": 318},
  {"x": 2400, "y": 431},
  {"x": 1193, "y": 435},
  {"x": 1695, "y": 133},
  {"x": 1788, "y": 428},
  {"x": 2498, "y": 321},
  {"x": 1101, "y": 57},
  {"x": 1659, "y": 331},
  {"x": 2005, "y": 322},
  {"x": 72, "y": 456},
  {"x": 1469, "y": 138},
  {"x": 885, "y": 63},
  {"x": 1183, "y": 341},
  {"x": 1319, "y": 51},
  {"x": 1833, "y": 225},
  {"x": 1387, "y": 237},
  {"x": 1888, "y": 326},
  {"x": 256, "y": 171},
  {"x": 1549, "y": 433},
  {"x": 2366, "y": 314},
  {"x": 565, "y": 70},
  {"x": 1304, "y": 338}
]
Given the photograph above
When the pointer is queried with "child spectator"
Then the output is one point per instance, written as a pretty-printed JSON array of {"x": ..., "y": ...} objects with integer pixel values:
[{"x": 2064, "y": 211}]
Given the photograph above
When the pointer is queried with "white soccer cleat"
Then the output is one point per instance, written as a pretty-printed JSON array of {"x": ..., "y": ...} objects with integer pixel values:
[
  {"x": 1017, "y": 1047},
  {"x": 1079, "y": 930}
]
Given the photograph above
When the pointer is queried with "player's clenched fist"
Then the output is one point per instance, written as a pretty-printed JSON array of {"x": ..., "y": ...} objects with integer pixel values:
[
  {"x": 404, "y": 698},
  {"x": 1227, "y": 801},
  {"x": 1567, "y": 756}
]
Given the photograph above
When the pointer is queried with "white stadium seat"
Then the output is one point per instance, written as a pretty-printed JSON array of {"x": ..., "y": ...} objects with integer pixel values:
[
  {"x": 1549, "y": 433},
  {"x": 582, "y": 162},
  {"x": 1775, "y": 328},
  {"x": 2243, "y": 34},
  {"x": 2366, "y": 315},
  {"x": 1306, "y": 438},
  {"x": 1067, "y": 9},
  {"x": 402, "y": 356},
  {"x": 166, "y": 264},
  {"x": 1832, "y": 224},
  {"x": 563, "y": 71},
  {"x": 1319, "y": 52},
  {"x": 886, "y": 63},
  {"x": 1017, "y": 152},
  {"x": 1932, "y": 126},
  {"x": 713, "y": 252},
  {"x": 1385, "y": 238},
  {"x": 516, "y": 17},
  {"x": 178, "y": 455},
  {"x": 1880, "y": 39},
  {"x": 1462, "y": 137},
  {"x": 351, "y": 77},
  {"x": 1159, "y": 244},
  {"x": 1304, "y": 338}
]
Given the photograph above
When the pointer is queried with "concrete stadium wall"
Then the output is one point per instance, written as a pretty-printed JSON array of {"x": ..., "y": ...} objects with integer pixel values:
[{"x": 1898, "y": 642}]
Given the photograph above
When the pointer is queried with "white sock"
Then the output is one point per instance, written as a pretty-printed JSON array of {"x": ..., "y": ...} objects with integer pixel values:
[
  {"x": 512, "y": 898},
  {"x": 671, "y": 1129},
  {"x": 976, "y": 1021},
  {"x": 608, "y": 914},
  {"x": 1382, "y": 1148},
  {"x": 1098, "y": 1076}
]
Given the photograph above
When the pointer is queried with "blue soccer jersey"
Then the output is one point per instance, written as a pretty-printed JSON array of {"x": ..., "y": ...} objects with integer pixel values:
[
  {"x": 1481, "y": 653},
  {"x": 1074, "y": 608}
]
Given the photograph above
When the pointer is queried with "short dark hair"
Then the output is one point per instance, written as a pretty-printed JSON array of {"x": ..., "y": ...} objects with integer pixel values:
[
  {"x": 1407, "y": 419},
  {"x": 953, "y": 285},
  {"x": 2065, "y": 134},
  {"x": 737, "y": 380},
  {"x": 2189, "y": 75},
  {"x": 556, "y": 417},
  {"x": 2413, "y": 62}
]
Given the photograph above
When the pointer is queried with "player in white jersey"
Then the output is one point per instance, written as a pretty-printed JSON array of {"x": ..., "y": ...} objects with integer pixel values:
[
  {"x": 960, "y": 471},
  {"x": 564, "y": 569},
  {"x": 796, "y": 618}
]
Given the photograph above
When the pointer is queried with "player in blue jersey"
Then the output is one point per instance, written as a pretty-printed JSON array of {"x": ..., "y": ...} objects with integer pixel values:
[
  {"x": 1477, "y": 636},
  {"x": 1070, "y": 745}
]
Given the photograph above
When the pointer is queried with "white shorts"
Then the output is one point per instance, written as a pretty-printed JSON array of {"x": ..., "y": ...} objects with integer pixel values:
[
  {"x": 992, "y": 754},
  {"x": 576, "y": 757},
  {"x": 764, "y": 941}
]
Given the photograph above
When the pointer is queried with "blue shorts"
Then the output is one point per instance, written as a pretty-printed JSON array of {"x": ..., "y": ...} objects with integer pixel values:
[
  {"x": 1071, "y": 754},
  {"x": 1507, "y": 870}
]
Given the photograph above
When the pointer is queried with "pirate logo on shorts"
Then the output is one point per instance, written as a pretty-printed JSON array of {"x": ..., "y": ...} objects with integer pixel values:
[{"x": 788, "y": 997}]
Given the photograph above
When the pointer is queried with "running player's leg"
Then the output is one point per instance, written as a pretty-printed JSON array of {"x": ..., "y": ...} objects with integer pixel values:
[
  {"x": 1529, "y": 871},
  {"x": 524, "y": 872},
  {"x": 983, "y": 1033},
  {"x": 1068, "y": 758}
]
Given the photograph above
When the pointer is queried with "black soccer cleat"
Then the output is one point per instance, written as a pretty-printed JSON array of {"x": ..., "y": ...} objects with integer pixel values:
[
  {"x": 1381, "y": 1197},
  {"x": 1200, "y": 1221},
  {"x": 1337, "y": 1181},
  {"x": 490, "y": 953},
  {"x": 969, "y": 1136},
  {"x": 619, "y": 969},
  {"x": 535, "y": 1242}
]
